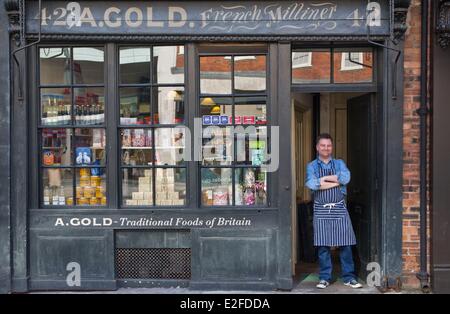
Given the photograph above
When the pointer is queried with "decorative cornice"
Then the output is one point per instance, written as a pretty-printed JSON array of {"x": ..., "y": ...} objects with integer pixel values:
[
  {"x": 400, "y": 13},
  {"x": 184, "y": 38},
  {"x": 443, "y": 23},
  {"x": 12, "y": 8}
]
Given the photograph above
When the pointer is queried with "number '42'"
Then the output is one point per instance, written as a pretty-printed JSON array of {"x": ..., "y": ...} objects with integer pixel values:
[{"x": 373, "y": 18}]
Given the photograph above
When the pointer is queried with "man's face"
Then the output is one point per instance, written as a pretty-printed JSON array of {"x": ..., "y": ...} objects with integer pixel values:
[{"x": 325, "y": 148}]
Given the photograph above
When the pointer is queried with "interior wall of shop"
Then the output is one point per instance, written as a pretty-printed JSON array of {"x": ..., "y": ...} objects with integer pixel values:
[
  {"x": 5, "y": 123},
  {"x": 440, "y": 271}
]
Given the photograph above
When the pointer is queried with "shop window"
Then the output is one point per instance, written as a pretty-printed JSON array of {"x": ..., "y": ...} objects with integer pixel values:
[
  {"x": 311, "y": 66},
  {"x": 151, "y": 126},
  {"x": 72, "y": 126},
  {"x": 314, "y": 66},
  {"x": 233, "y": 108},
  {"x": 351, "y": 61},
  {"x": 353, "y": 66},
  {"x": 301, "y": 59}
]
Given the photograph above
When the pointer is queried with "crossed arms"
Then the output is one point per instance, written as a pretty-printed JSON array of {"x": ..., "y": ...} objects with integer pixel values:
[{"x": 327, "y": 182}]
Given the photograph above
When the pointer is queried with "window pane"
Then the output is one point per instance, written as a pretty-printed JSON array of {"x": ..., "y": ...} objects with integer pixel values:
[
  {"x": 89, "y": 105},
  {"x": 251, "y": 187},
  {"x": 169, "y": 64},
  {"x": 251, "y": 146},
  {"x": 216, "y": 110},
  {"x": 136, "y": 146},
  {"x": 355, "y": 66},
  {"x": 250, "y": 74},
  {"x": 215, "y": 75},
  {"x": 217, "y": 146},
  {"x": 170, "y": 186},
  {"x": 56, "y": 148},
  {"x": 134, "y": 105},
  {"x": 90, "y": 147},
  {"x": 134, "y": 65},
  {"x": 311, "y": 67},
  {"x": 54, "y": 66},
  {"x": 88, "y": 65},
  {"x": 169, "y": 106},
  {"x": 137, "y": 187},
  {"x": 57, "y": 187},
  {"x": 170, "y": 145},
  {"x": 250, "y": 111},
  {"x": 216, "y": 186},
  {"x": 56, "y": 106},
  {"x": 90, "y": 187}
]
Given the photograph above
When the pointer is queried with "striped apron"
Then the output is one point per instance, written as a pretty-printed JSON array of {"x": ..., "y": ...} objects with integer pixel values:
[{"x": 332, "y": 224}]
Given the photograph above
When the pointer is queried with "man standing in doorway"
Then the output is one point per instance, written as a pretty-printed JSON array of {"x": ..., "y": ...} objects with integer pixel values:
[{"x": 327, "y": 178}]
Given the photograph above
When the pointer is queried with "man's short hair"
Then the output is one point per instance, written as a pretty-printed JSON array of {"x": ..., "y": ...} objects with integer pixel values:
[{"x": 324, "y": 136}]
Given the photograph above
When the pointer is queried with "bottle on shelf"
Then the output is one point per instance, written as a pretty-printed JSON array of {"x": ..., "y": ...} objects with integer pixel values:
[
  {"x": 46, "y": 195},
  {"x": 102, "y": 113},
  {"x": 62, "y": 197},
  {"x": 55, "y": 197}
]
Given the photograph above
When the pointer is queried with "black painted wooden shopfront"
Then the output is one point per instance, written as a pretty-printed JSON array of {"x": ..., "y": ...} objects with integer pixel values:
[{"x": 117, "y": 243}]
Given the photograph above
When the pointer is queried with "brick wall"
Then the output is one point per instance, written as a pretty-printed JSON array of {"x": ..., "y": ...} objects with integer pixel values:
[{"x": 411, "y": 149}]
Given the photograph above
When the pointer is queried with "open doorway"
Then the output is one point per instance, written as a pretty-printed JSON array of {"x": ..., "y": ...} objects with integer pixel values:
[{"x": 350, "y": 118}]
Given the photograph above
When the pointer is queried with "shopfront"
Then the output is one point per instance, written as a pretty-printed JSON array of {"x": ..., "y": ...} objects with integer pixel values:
[{"x": 156, "y": 143}]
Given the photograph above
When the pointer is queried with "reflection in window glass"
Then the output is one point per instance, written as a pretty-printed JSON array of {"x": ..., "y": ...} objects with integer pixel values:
[
  {"x": 250, "y": 110},
  {"x": 169, "y": 145},
  {"x": 250, "y": 187},
  {"x": 169, "y": 61},
  {"x": 170, "y": 186},
  {"x": 89, "y": 105},
  {"x": 57, "y": 187},
  {"x": 55, "y": 66},
  {"x": 251, "y": 147},
  {"x": 56, "y": 106},
  {"x": 353, "y": 66},
  {"x": 216, "y": 186},
  {"x": 137, "y": 187},
  {"x": 134, "y": 65},
  {"x": 311, "y": 67},
  {"x": 56, "y": 147},
  {"x": 250, "y": 74},
  {"x": 217, "y": 146},
  {"x": 170, "y": 106},
  {"x": 134, "y": 105},
  {"x": 216, "y": 110},
  {"x": 88, "y": 65},
  {"x": 215, "y": 75}
]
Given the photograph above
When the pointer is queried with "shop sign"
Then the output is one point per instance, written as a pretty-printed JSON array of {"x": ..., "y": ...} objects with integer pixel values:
[{"x": 343, "y": 17}]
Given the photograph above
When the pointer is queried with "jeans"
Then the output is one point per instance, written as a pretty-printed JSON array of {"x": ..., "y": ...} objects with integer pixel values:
[{"x": 326, "y": 267}]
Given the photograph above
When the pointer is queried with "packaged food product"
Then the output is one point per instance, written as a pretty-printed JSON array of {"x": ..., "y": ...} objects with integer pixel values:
[
  {"x": 93, "y": 201},
  {"x": 88, "y": 192}
]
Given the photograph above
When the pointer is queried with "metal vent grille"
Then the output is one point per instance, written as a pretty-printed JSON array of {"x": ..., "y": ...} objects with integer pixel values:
[{"x": 153, "y": 263}]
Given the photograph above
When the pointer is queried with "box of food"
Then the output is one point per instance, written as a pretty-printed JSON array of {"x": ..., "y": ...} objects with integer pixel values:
[
  {"x": 138, "y": 195},
  {"x": 144, "y": 180},
  {"x": 148, "y": 196},
  {"x": 131, "y": 202},
  {"x": 144, "y": 187},
  {"x": 161, "y": 195}
]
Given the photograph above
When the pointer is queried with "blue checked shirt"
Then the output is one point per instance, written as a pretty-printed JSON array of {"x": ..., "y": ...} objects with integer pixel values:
[{"x": 312, "y": 173}]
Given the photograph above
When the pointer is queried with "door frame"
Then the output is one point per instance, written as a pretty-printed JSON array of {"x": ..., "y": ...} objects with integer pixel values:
[{"x": 389, "y": 139}]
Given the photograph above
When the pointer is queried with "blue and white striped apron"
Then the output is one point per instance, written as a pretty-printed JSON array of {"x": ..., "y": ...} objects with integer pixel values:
[{"x": 332, "y": 224}]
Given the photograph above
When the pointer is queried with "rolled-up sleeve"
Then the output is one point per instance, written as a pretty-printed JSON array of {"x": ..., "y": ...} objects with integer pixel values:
[
  {"x": 343, "y": 174},
  {"x": 311, "y": 182}
]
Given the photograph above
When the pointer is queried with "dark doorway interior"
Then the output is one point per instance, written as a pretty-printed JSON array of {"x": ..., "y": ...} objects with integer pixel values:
[{"x": 351, "y": 119}]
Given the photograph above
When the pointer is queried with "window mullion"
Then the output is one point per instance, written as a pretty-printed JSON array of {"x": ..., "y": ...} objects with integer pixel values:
[{"x": 111, "y": 118}]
